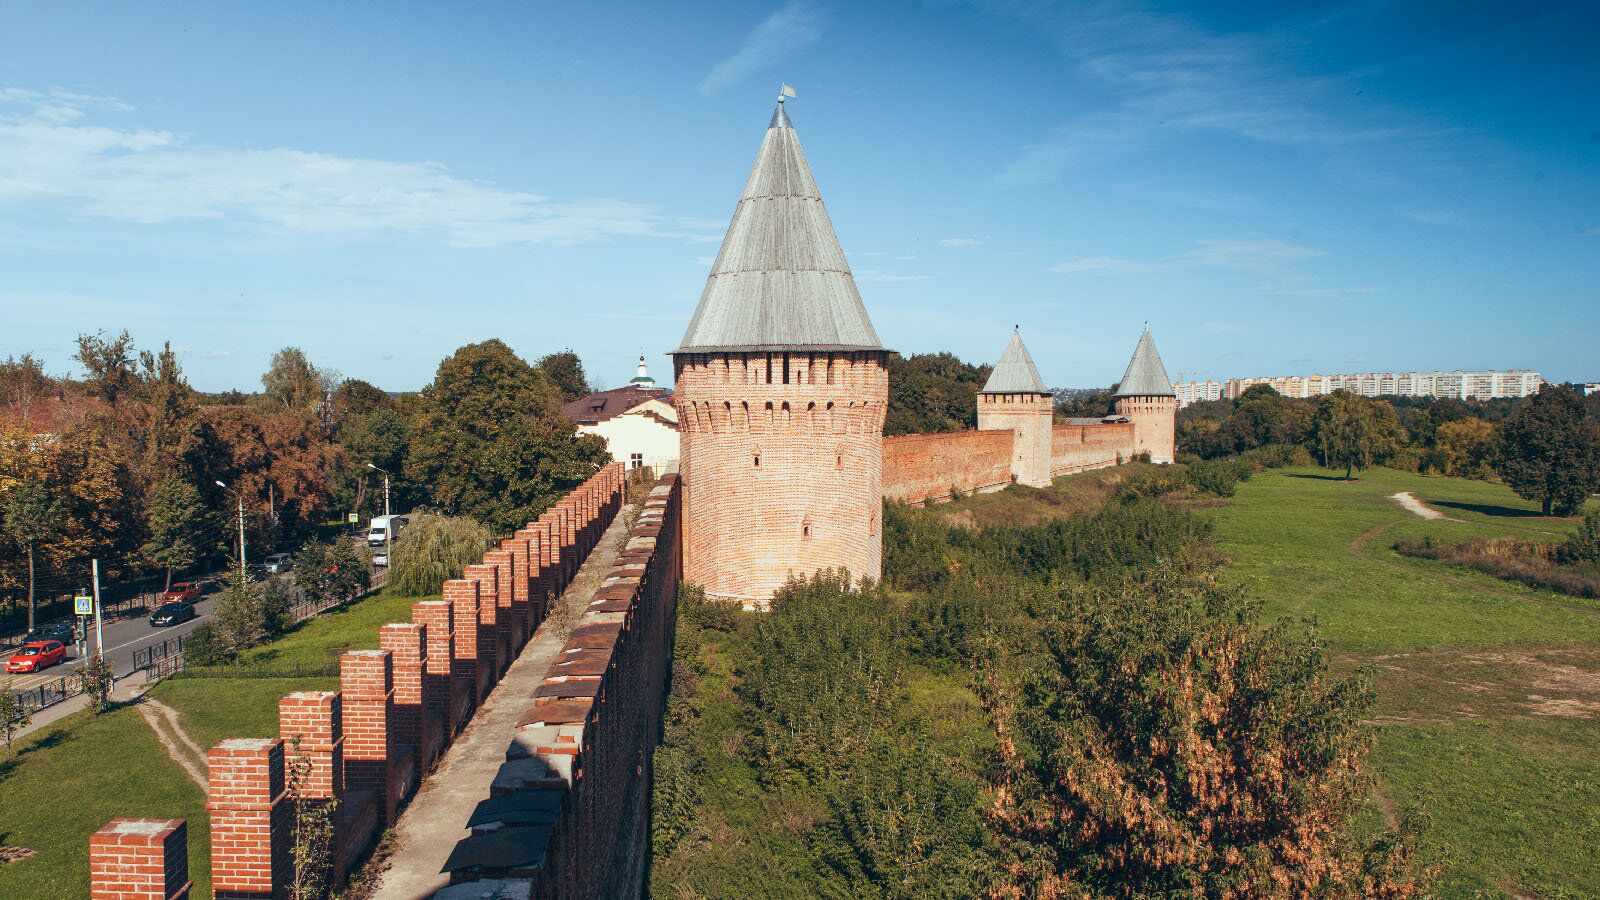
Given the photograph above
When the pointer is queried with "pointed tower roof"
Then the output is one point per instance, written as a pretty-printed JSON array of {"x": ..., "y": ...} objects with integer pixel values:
[
  {"x": 1015, "y": 372},
  {"x": 780, "y": 281},
  {"x": 1146, "y": 376}
]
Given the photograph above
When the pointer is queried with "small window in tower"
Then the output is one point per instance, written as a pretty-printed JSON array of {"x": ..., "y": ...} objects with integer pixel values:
[
  {"x": 769, "y": 368},
  {"x": 805, "y": 529},
  {"x": 786, "y": 368},
  {"x": 757, "y": 456}
]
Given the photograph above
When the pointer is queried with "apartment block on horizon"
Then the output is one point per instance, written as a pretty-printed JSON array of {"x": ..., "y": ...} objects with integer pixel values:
[{"x": 1476, "y": 385}]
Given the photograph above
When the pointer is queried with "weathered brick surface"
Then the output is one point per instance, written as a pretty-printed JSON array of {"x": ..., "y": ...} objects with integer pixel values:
[
  {"x": 585, "y": 743},
  {"x": 316, "y": 720},
  {"x": 249, "y": 819},
  {"x": 782, "y": 462},
  {"x": 435, "y": 616},
  {"x": 1154, "y": 425},
  {"x": 408, "y": 648},
  {"x": 1028, "y": 417},
  {"x": 139, "y": 859},
  {"x": 507, "y": 618},
  {"x": 490, "y": 663},
  {"x": 1078, "y": 448},
  {"x": 918, "y": 468},
  {"x": 366, "y": 679}
]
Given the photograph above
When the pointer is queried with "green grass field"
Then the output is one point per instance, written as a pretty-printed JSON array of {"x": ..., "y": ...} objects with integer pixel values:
[
  {"x": 1489, "y": 692},
  {"x": 65, "y": 781}
]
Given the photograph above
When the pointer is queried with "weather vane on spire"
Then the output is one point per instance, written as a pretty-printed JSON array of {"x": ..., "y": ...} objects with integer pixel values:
[{"x": 785, "y": 93}]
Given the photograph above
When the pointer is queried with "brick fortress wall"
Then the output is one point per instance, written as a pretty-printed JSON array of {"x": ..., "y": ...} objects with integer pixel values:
[
  {"x": 922, "y": 467},
  {"x": 568, "y": 813},
  {"x": 1078, "y": 448},
  {"x": 782, "y": 463},
  {"x": 369, "y": 743}
]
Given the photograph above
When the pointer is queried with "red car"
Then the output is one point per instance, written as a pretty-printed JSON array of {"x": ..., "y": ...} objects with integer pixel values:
[
  {"x": 36, "y": 655},
  {"x": 182, "y": 592}
]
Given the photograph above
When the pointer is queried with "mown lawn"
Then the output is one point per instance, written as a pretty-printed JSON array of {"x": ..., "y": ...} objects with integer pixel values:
[
  {"x": 69, "y": 779},
  {"x": 1489, "y": 692}
]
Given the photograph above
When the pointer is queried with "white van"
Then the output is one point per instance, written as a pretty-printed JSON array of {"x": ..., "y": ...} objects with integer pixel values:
[{"x": 384, "y": 529}]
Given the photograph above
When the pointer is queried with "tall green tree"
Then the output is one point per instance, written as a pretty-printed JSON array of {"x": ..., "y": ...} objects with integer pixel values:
[
  {"x": 565, "y": 373},
  {"x": 172, "y": 435},
  {"x": 292, "y": 384},
  {"x": 932, "y": 392},
  {"x": 1550, "y": 453},
  {"x": 1355, "y": 432},
  {"x": 331, "y": 573},
  {"x": 32, "y": 517},
  {"x": 109, "y": 362},
  {"x": 174, "y": 515},
  {"x": 487, "y": 442}
]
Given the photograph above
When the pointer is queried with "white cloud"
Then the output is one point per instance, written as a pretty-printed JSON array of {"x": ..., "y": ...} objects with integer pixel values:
[
  {"x": 1593, "y": 232},
  {"x": 780, "y": 34},
  {"x": 1101, "y": 264},
  {"x": 960, "y": 242},
  {"x": 1166, "y": 75},
  {"x": 1250, "y": 255},
  {"x": 52, "y": 157}
]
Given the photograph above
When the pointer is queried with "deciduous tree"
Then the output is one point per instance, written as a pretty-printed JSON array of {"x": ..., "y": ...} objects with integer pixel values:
[
  {"x": 293, "y": 384},
  {"x": 175, "y": 519},
  {"x": 435, "y": 549},
  {"x": 486, "y": 440},
  {"x": 565, "y": 373},
  {"x": 109, "y": 363},
  {"x": 1549, "y": 453},
  {"x": 1465, "y": 447},
  {"x": 1355, "y": 432},
  {"x": 1165, "y": 744}
]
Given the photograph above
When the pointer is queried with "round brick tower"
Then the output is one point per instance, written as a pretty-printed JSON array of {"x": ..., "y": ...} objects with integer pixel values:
[
  {"x": 781, "y": 389},
  {"x": 1146, "y": 397}
]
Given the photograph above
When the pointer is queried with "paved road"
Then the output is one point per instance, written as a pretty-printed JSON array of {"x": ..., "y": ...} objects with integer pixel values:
[{"x": 123, "y": 637}]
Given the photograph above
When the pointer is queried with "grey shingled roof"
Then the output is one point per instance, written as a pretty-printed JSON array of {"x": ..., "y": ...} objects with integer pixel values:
[
  {"x": 1015, "y": 372},
  {"x": 1146, "y": 376},
  {"x": 780, "y": 281}
]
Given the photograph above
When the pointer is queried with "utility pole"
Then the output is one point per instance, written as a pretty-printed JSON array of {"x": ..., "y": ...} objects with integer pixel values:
[{"x": 99, "y": 635}]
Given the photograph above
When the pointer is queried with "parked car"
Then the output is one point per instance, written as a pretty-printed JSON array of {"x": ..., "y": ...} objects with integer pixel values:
[
  {"x": 36, "y": 655},
  {"x": 278, "y": 563},
  {"x": 55, "y": 631},
  {"x": 172, "y": 613},
  {"x": 182, "y": 592},
  {"x": 380, "y": 559}
]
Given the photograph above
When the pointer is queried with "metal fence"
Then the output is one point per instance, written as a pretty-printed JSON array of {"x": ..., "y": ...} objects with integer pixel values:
[
  {"x": 146, "y": 658},
  {"x": 49, "y": 694}
]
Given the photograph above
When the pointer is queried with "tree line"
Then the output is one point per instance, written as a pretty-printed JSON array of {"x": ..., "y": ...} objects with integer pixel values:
[
  {"x": 129, "y": 463},
  {"x": 1546, "y": 447}
]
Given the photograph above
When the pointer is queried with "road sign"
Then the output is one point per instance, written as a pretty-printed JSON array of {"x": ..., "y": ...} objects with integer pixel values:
[
  {"x": 83, "y": 605},
  {"x": 354, "y": 518}
]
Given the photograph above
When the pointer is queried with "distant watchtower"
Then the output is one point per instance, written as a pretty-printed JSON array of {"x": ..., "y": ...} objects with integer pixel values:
[
  {"x": 1015, "y": 398},
  {"x": 1146, "y": 397},
  {"x": 782, "y": 386}
]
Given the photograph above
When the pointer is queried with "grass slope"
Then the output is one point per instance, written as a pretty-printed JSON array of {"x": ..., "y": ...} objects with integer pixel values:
[
  {"x": 69, "y": 779},
  {"x": 1489, "y": 692}
]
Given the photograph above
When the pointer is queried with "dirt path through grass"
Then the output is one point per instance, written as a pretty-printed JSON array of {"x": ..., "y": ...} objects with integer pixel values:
[
  {"x": 1410, "y": 501},
  {"x": 163, "y": 720}
]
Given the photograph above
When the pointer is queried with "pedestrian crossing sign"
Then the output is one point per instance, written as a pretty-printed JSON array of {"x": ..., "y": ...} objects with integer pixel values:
[
  {"x": 83, "y": 605},
  {"x": 354, "y": 518}
]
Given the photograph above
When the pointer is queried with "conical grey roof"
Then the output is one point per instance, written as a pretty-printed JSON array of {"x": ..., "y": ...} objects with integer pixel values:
[
  {"x": 1146, "y": 376},
  {"x": 1015, "y": 372},
  {"x": 780, "y": 281}
]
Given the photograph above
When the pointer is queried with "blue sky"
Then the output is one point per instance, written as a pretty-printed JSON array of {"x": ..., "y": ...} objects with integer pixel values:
[{"x": 1336, "y": 187}]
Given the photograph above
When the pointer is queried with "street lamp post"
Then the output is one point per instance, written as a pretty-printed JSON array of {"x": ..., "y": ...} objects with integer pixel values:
[
  {"x": 240, "y": 497},
  {"x": 385, "y": 486}
]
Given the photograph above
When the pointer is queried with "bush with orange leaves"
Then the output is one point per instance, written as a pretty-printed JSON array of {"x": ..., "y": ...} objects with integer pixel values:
[{"x": 1162, "y": 743}]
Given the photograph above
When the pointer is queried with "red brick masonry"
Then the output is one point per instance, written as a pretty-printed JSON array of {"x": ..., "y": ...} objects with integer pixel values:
[{"x": 368, "y": 743}]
